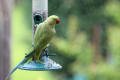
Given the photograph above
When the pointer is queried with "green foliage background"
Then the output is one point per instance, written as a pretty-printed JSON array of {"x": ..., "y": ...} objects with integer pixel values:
[{"x": 72, "y": 42}]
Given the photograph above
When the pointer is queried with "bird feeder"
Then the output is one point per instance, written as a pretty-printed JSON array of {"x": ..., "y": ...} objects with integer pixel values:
[{"x": 39, "y": 14}]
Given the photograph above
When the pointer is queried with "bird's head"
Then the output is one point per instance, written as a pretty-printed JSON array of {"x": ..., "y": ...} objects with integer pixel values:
[{"x": 52, "y": 20}]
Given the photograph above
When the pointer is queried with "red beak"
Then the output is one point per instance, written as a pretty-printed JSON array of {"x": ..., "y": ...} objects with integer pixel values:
[{"x": 58, "y": 21}]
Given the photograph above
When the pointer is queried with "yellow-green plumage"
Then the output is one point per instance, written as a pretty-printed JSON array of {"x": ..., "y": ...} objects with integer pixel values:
[{"x": 43, "y": 35}]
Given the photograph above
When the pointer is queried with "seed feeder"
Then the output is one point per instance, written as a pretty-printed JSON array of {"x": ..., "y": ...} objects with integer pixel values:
[
  {"x": 45, "y": 63},
  {"x": 39, "y": 13}
]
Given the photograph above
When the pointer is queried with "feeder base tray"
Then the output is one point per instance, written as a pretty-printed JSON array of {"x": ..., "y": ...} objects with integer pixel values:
[{"x": 37, "y": 66}]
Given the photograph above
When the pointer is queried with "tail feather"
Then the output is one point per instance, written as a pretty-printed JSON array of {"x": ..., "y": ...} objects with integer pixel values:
[
  {"x": 14, "y": 69},
  {"x": 27, "y": 57}
]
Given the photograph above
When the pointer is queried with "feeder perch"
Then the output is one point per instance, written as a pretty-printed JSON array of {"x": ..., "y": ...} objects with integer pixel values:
[{"x": 45, "y": 63}]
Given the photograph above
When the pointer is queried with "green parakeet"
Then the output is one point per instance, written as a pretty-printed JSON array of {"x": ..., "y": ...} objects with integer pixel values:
[{"x": 43, "y": 35}]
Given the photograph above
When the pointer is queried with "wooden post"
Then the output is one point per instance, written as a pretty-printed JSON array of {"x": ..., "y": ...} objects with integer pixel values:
[
  {"x": 39, "y": 10},
  {"x": 96, "y": 43},
  {"x": 5, "y": 36}
]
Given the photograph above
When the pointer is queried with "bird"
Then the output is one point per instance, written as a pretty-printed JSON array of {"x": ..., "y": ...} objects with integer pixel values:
[{"x": 43, "y": 35}]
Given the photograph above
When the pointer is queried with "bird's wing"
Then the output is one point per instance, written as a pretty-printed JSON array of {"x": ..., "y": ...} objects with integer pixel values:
[
  {"x": 33, "y": 49},
  {"x": 37, "y": 34},
  {"x": 40, "y": 36}
]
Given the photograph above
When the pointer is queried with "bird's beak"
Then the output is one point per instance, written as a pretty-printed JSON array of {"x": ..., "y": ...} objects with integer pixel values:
[{"x": 58, "y": 21}]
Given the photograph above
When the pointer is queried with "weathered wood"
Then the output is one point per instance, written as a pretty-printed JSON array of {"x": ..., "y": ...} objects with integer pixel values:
[
  {"x": 99, "y": 43},
  {"x": 5, "y": 36},
  {"x": 96, "y": 43}
]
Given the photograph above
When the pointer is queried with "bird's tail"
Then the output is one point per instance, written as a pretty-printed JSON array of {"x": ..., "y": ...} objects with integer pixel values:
[
  {"x": 27, "y": 57},
  {"x": 13, "y": 70}
]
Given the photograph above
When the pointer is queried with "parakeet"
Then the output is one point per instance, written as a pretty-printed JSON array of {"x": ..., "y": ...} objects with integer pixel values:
[{"x": 43, "y": 35}]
